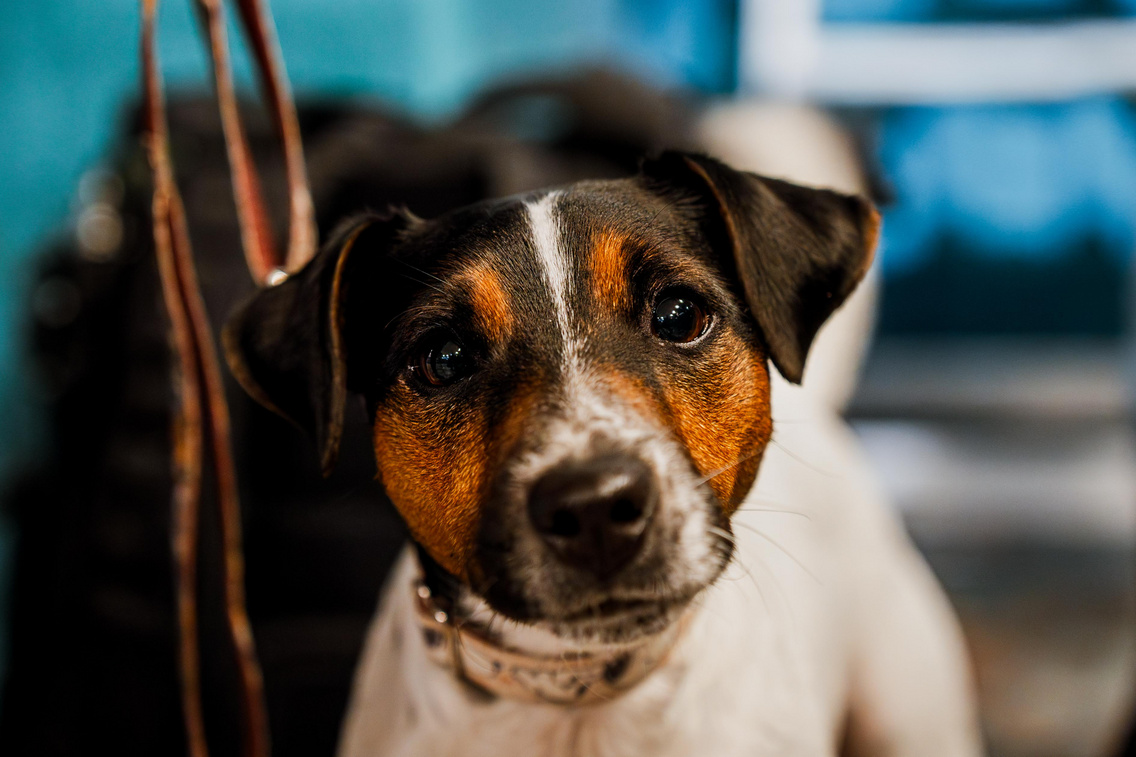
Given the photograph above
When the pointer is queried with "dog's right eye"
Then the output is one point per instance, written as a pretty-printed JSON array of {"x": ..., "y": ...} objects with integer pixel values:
[{"x": 443, "y": 362}]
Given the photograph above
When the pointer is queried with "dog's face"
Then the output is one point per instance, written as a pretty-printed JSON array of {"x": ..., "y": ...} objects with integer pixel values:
[{"x": 569, "y": 391}]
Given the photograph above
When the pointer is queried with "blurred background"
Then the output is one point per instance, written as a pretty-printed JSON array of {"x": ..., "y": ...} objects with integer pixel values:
[{"x": 996, "y": 401}]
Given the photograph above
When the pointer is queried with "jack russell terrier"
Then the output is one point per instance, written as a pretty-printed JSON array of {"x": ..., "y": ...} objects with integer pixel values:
[{"x": 571, "y": 403}]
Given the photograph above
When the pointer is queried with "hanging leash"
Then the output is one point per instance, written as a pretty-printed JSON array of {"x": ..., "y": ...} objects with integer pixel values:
[{"x": 201, "y": 424}]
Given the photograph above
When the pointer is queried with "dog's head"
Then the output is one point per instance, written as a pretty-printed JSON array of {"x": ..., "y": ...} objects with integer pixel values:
[{"x": 569, "y": 390}]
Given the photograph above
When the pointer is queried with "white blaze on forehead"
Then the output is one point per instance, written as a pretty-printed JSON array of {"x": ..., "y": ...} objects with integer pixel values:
[
  {"x": 591, "y": 412},
  {"x": 553, "y": 262}
]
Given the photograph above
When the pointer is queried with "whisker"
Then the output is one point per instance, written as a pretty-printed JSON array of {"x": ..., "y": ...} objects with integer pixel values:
[
  {"x": 715, "y": 473},
  {"x": 781, "y": 593},
  {"x": 699, "y": 602},
  {"x": 423, "y": 271},
  {"x": 799, "y": 459},
  {"x": 757, "y": 585},
  {"x": 760, "y": 591},
  {"x": 730, "y": 539},
  {"x": 786, "y": 552},
  {"x": 806, "y": 516},
  {"x": 724, "y": 535},
  {"x": 426, "y": 284}
]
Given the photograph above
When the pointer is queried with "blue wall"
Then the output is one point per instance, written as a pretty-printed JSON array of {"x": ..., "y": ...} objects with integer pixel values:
[
  {"x": 973, "y": 10},
  {"x": 1029, "y": 182},
  {"x": 1008, "y": 218}
]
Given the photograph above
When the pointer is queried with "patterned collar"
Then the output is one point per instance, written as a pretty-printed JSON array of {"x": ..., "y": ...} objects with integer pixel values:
[{"x": 577, "y": 678}]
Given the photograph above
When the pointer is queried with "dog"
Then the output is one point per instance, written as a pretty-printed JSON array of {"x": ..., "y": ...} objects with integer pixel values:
[{"x": 572, "y": 398}]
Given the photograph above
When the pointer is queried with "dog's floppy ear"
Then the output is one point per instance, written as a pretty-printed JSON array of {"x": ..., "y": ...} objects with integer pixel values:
[
  {"x": 797, "y": 252},
  {"x": 286, "y": 344}
]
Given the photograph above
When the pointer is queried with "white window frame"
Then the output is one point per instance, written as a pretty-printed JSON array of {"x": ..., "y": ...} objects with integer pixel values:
[{"x": 787, "y": 52}]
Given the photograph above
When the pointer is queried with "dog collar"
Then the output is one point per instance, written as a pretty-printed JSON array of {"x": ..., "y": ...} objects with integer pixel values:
[{"x": 576, "y": 678}]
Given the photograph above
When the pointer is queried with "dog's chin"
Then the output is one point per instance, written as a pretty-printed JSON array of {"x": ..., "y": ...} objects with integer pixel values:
[
  {"x": 615, "y": 621},
  {"x": 615, "y": 618},
  {"x": 647, "y": 599},
  {"x": 605, "y": 620}
]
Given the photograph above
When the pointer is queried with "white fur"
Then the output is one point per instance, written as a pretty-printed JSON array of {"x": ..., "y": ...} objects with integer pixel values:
[
  {"x": 553, "y": 265},
  {"x": 590, "y": 412}
]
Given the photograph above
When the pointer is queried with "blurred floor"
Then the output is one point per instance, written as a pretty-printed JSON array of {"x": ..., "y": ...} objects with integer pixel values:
[
  {"x": 1052, "y": 632},
  {"x": 1014, "y": 465}
]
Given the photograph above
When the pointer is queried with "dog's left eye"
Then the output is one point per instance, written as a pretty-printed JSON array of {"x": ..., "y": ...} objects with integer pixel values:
[
  {"x": 680, "y": 317},
  {"x": 443, "y": 362}
]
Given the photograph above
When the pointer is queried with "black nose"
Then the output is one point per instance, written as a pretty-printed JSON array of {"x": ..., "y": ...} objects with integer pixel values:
[{"x": 593, "y": 514}]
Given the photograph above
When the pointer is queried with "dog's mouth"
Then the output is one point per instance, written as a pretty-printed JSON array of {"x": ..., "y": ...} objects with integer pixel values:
[
  {"x": 614, "y": 608},
  {"x": 615, "y": 620},
  {"x": 641, "y": 604},
  {"x": 601, "y": 618},
  {"x": 617, "y": 615}
]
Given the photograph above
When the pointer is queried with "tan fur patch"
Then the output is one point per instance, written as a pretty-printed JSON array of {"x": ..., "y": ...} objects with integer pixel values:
[
  {"x": 492, "y": 313},
  {"x": 608, "y": 264},
  {"x": 433, "y": 466},
  {"x": 724, "y": 419},
  {"x": 871, "y": 230},
  {"x": 437, "y": 468},
  {"x": 631, "y": 390}
]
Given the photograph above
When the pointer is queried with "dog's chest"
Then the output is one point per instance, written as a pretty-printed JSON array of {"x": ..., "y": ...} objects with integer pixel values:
[
  {"x": 746, "y": 679},
  {"x": 672, "y": 714}
]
